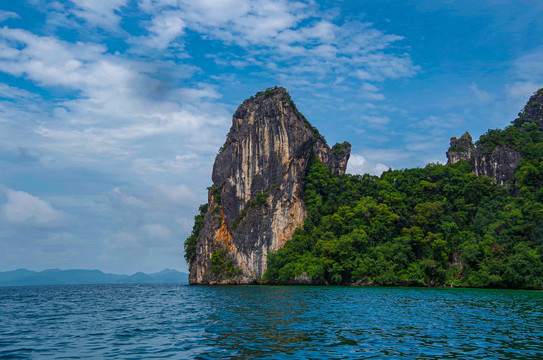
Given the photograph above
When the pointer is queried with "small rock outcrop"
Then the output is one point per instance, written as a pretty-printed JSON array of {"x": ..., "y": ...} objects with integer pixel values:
[
  {"x": 255, "y": 202},
  {"x": 460, "y": 149}
]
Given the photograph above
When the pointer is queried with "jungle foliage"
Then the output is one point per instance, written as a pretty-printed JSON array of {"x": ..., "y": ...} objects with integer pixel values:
[{"x": 434, "y": 226}]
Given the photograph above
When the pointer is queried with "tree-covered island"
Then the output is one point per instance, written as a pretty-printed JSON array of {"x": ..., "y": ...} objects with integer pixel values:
[{"x": 441, "y": 225}]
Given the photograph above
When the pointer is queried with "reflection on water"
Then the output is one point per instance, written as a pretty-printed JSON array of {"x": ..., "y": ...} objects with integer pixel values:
[{"x": 178, "y": 322}]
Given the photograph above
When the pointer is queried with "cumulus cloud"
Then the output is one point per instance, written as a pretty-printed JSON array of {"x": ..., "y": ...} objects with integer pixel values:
[
  {"x": 358, "y": 164},
  {"x": 120, "y": 101},
  {"x": 164, "y": 29},
  {"x": 292, "y": 33},
  {"x": 25, "y": 209}
]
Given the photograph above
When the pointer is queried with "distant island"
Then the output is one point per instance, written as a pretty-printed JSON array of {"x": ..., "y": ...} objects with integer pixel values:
[
  {"x": 281, "y": 209},
  {"x": 24, "y": 277}
]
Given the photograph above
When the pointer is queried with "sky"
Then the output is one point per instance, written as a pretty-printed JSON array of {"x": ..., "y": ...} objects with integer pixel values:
[{"x": 112, "y": 111}]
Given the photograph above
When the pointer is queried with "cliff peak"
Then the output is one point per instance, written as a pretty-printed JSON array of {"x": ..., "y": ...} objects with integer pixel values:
[
  {"x": 532, "y": 113},
  {"x": 460, "y": 149},
  {"x": 256, "y": 200}
]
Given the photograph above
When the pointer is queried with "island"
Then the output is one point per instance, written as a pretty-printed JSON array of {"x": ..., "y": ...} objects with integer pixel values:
[{"x": 281, "y": 209}]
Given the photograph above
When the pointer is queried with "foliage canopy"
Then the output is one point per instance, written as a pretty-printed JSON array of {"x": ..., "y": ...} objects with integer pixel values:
[{"x": 434, "y": 226}]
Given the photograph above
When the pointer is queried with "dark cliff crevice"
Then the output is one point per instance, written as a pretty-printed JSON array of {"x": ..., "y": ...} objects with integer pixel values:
[{"x": 256, "y": 200}]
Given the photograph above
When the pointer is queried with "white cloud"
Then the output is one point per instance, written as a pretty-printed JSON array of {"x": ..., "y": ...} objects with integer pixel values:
[
  {"x": 22, "y": 208},
  {"x": 119, "y": 103},
  {"x": 375, "y": 121},
  {"x": 121, "y": 242},
  {"x": 529, "y": 66},
  {"x": 295, "y": 34},
  {"x": 358, "y": 164},
  {"x": 145, "y": 201},
  {"x": 103, "y": 13},
  {"x": 163, "y": 30},
  {"x": 157, "y": 231},
  {"x": 122, "y": 198},
  {"x": 522, "y": 90},
  {"x": 482, "y": 95},
  {"x": 140, "y": 115},
  {"x": 10, "y": 92},
  {"x": 5, "y": 15},
  {"x": 433, "y": 122},
  {"x": 528, "y": 76},
  {"x": 388, "y": 156},
  {"x": 175, "y": 194}
]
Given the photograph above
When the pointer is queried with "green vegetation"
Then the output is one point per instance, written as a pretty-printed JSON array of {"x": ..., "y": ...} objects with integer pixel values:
[
  {"x": 260, "y": 201},
  {"x": 222, "y": 266},
  {"x": 458, "y": 149},
  {"x": 300, "y": 116},
  {"x": 222, "y": 148},
  {"x": 268, "y": 92},
  {"x": 436, "y": 226},
  {"x": 216, "y": 192},
  {"x": 339, "y": 148},
  {"x": 523, "y": 137},
  {"x": 190, "y": 242}
]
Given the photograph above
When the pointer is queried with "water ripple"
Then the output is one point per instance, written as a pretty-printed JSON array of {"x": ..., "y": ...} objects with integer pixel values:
[{"x": 169, "y": 321}]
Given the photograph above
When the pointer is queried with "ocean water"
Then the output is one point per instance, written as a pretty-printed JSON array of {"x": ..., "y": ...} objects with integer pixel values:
[{"x": 170, "y": 321}]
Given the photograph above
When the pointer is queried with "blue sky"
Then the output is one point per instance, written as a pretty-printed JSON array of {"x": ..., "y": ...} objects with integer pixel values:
[{"x": 112, "y": 111}]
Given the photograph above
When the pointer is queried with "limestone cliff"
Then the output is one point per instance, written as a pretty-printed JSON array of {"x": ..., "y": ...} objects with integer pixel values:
[
  {"x": 500, "y": 163},
  {"x": 255, "y": 202}
]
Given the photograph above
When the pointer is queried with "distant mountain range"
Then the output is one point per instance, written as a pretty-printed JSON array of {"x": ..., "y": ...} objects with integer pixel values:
[{"x": 24, "y": 277}]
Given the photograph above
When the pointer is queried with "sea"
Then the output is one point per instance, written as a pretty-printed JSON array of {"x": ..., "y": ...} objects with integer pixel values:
[{"x": 175, "y": 321}]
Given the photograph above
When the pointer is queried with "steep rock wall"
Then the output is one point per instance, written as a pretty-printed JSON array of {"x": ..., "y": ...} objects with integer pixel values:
[
  {"x": 255, "y": 203},
  {"x": 500, "y": 164}
]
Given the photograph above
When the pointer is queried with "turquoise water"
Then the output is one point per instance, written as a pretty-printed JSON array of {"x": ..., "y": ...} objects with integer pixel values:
[{"x": 182, "y": 322}]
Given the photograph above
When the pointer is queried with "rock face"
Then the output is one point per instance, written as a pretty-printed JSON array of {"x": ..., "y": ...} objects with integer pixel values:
[
  {"x": 500, "y": 164},
  {"x": 460, "y": 149},
  {"x": 255, "y": 203}
]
